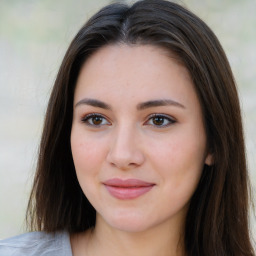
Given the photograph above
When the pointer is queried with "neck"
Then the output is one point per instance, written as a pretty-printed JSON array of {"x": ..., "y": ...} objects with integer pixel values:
[{"x": 163, "y": 240}]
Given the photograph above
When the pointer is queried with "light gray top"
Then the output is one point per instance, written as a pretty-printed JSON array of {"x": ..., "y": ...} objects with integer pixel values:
[{"x": 37, "y": 244}]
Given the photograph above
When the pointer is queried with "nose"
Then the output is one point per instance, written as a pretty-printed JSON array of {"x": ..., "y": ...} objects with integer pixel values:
[{"x": 125, "y": 150}]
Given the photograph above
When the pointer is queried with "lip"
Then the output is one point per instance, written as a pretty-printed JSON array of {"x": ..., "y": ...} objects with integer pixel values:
[{"x": 127, "y": 189}]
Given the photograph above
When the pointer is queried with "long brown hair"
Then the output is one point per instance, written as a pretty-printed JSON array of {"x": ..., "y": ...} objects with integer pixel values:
[{"x": 217, "y": 219}]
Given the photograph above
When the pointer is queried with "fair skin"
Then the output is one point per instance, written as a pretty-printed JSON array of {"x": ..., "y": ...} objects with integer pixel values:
[{"x": 136, "y": 117}]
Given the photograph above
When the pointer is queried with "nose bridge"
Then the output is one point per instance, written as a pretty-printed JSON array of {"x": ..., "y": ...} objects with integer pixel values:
[{"x": 124, "y": 151}]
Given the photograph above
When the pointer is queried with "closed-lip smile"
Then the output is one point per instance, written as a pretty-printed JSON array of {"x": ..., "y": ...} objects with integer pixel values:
[{"x": 127, "y": 189}]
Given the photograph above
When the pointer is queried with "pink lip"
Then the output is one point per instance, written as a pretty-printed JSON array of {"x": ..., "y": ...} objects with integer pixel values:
[{"x": 127, "y": 189}]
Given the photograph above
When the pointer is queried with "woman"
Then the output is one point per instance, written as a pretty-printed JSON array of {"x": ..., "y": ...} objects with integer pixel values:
[{"x": 142, "y": 151}]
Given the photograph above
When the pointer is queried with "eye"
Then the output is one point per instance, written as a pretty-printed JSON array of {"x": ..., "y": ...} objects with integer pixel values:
[
  {"x": 160, "y": 120},
  {"x": 95, "y": 120}
]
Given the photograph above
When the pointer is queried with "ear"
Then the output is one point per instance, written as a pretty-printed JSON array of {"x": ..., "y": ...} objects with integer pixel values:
[{"x": 209, "y": 159}]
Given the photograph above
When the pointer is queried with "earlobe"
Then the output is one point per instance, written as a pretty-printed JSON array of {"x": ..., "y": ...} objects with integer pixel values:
[{"x": 209, "y": 160}]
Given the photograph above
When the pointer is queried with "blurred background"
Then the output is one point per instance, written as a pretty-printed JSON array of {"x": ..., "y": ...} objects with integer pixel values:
[{"x": 34, "y": 35}]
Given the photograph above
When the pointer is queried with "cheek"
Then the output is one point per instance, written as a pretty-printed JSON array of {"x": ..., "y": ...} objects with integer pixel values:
[
  {"x": 181, "y": 172},
  {"x": 81, "y": 153},
  {"x": 86, "y": 154},
  {"x": 179, "y": 161},
  {"x": 178, "y": 152},
  {"x": 87, "y": 159}
]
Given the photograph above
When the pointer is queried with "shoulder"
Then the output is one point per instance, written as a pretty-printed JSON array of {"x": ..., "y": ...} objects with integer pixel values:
[{"x": 37, "y": 244}]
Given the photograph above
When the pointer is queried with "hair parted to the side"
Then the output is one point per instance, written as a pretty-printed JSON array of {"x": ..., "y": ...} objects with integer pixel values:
[{"x": 217, "y": 219}]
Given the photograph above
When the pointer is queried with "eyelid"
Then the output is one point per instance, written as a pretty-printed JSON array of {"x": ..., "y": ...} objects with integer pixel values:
[
  {"x": 171, "y": 120},
  {"x": 86, "y": 117}
]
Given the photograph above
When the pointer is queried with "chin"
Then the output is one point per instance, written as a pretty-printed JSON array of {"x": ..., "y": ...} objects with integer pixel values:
[
  {"x": 130, "y": 227},
  {"x": 130, "y": 222}
]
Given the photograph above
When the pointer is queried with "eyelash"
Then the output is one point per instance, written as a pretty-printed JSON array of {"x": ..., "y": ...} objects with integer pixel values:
[
  {"x": 164, "y": 118},
  {"x": 90, "y": 117},
  {"x": 88, "y": 120}
]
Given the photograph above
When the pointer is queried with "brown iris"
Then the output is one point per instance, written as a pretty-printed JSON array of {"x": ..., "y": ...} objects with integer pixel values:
[
  {"x": 97, "y": 120},
  {"x": 158, "y": 120}
]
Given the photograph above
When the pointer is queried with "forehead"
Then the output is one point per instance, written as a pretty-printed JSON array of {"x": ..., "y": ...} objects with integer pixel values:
[
  {"x": 139, "y": 72},
  {"x": 121, "y": 53}
]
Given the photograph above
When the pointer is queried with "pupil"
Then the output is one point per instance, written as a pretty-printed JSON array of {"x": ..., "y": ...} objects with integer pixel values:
[
  {"x": 158, "y": 120},
  {"x": 97, "y": 120}
]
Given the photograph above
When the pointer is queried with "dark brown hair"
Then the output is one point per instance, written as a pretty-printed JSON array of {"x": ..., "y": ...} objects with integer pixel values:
[{"x": 217, "y": 219}]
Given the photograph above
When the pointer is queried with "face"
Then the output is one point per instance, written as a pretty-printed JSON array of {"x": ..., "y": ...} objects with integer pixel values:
[{"x": 138, "y": 139}]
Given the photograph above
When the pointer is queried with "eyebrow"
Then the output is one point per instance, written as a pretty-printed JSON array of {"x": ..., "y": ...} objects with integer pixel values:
[
  {"x": 94, "y": 103},
  {"x": 159, "y": 103},
  {"x": 140, "y": 106}
]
